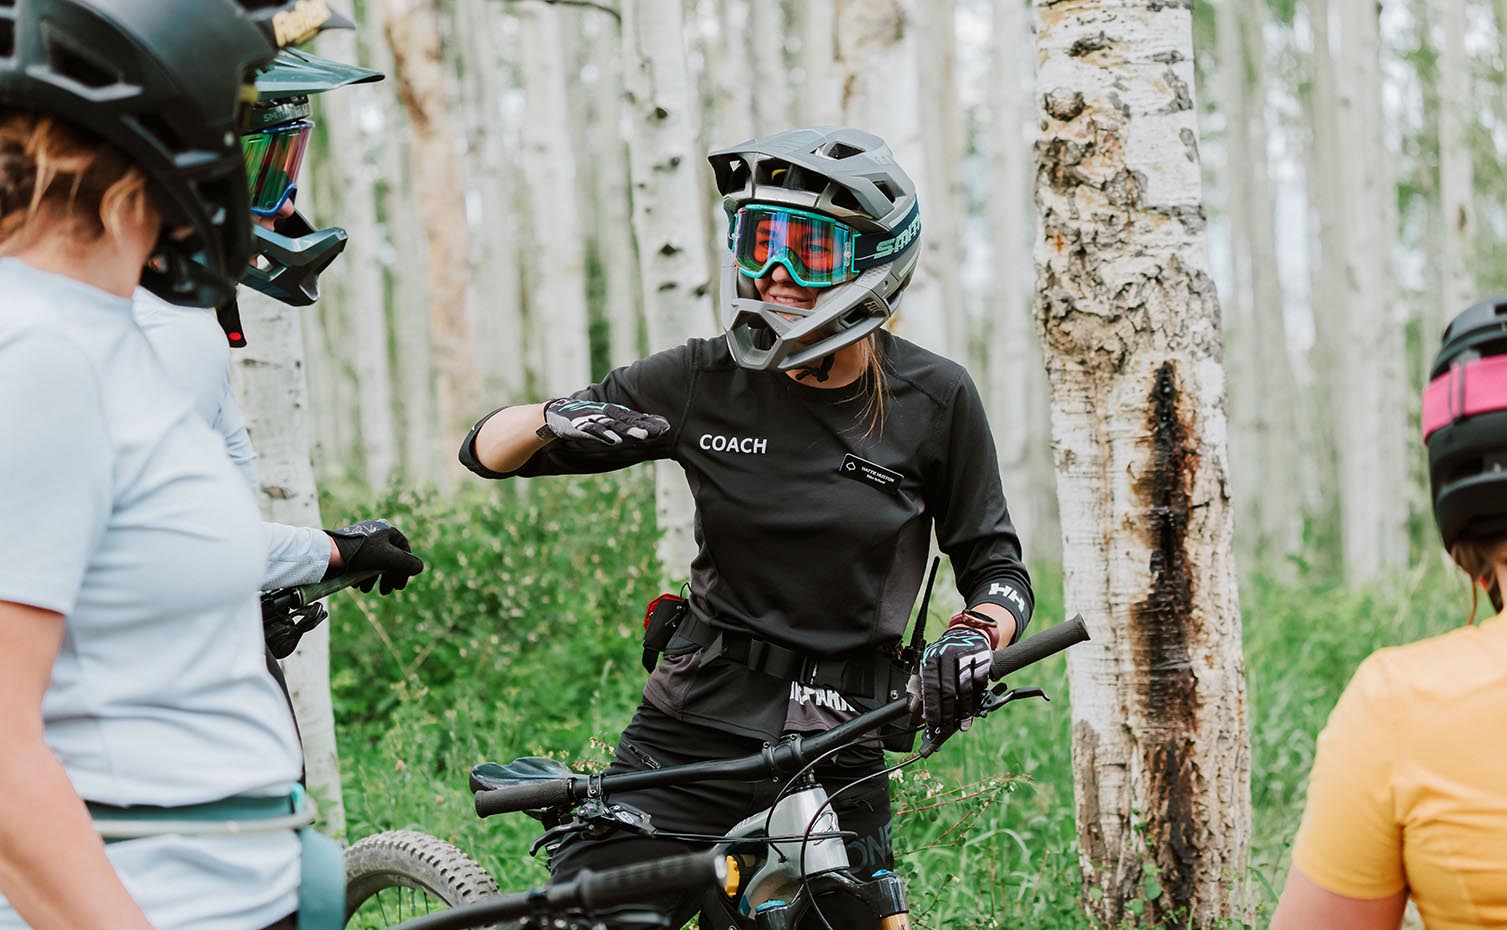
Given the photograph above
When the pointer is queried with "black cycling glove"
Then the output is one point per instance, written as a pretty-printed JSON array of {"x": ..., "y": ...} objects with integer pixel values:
[
  {"x": 376, "y": 545},
  {"x": 613, "y": 424},
  {"x": 954, "y": 679}
]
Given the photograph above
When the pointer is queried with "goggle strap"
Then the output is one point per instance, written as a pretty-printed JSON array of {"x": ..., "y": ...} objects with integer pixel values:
[{"x": 871, "y": 251}]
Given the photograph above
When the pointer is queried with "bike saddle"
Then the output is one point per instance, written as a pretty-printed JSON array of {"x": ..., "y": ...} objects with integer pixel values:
[{"x": 489, "y": 775}]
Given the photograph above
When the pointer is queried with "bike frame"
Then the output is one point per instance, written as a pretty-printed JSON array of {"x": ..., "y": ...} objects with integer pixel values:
[{"x": 792, "y": 848}]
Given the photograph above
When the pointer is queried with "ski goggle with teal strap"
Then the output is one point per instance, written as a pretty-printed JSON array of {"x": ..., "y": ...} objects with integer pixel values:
[
  {"x": 273, "y": 158},
  {"x": 817, "y": 250}
]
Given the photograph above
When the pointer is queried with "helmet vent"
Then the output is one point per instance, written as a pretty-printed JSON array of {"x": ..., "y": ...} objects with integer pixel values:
[
  {"x": 843, "y": 150},
  {"x": 888, "y": 190},
  {"x": 842, "y": 197},
  {"x": 157, "y": 127},
  {"x": 7, "y": 34},
  {"x": 75, "y": 66}
]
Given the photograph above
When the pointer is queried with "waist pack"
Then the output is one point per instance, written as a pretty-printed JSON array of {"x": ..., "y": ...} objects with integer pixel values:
[
  {"x": 321, "y": 886},
  {"x": 868, "y": 681}
]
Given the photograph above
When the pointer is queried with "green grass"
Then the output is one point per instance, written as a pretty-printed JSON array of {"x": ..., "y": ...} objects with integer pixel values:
[{"x": 522, "y": 638}]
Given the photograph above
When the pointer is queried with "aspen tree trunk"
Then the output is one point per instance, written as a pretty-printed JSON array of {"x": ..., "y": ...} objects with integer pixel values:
[
  {"x": 413, "y": 35},
  {"x": 1282, "y": 509},
  {"x": 1327, "y": 195},
  {"x": 1374, "y": 486},
  {"x": 820, "y": 102},
  {"x": 410, "y": 299},
  {"x": 878, "y": 67},
  {"x": 765, "y": 34},
  {"x": 549, "y": 171},
  {"x": 1130, "y": 323},
  {"x": 491, "y": 169},
  {"x": 1455, "y": 194},
  {"x": 667, "y": 210},
  {"x": 1019, "y": 412},
  {"x": 268, "y": 378},
  {"x": 609, "y": 177},
  {"x": 358, "y": 271},
  {"x": 943, "y": 213}
]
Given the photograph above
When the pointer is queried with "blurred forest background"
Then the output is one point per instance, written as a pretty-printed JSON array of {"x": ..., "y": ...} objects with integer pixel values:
[
  {"x": 512, "y": 231},
  {"x": 529, "y": 206}
]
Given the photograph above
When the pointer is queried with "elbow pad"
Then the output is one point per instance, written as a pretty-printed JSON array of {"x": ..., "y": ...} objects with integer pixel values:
[{"x": 468, "y": 449}]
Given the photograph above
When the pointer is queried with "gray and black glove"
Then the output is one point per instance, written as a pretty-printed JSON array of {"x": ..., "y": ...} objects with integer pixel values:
[
  {"x": 375, "y": 545},
  {"x": 954, "y": 678},
  {"x": 612, "y": 424}
]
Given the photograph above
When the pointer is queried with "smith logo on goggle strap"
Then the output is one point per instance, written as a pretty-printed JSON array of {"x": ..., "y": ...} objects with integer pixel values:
[
  {"x": 816, "y": 249},
  {"x": 291, "y": 27}
]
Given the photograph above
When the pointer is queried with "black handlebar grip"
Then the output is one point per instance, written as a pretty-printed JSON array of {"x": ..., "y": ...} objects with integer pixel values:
[
  {"x": 650, "y": 881},
  {"x": 1038, "y": 647},
  {"x": 524, "y": 796}
]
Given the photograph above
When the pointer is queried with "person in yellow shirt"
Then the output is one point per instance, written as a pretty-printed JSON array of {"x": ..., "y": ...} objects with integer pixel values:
[{"x": 1408, "y": 794}]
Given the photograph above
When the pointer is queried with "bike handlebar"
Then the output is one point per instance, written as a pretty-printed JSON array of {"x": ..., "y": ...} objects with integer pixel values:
[
  {"x": 783, "y": 758},
  {"x": 294, "y": 597},
  {"x": 591, "y": 891}
]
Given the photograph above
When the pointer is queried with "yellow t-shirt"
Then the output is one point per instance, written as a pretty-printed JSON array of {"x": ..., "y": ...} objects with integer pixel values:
[{"x": 1409, "y": 785}]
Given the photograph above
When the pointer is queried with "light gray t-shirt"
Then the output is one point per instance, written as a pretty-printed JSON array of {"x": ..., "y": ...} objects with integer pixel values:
[
  {"x": 125, "y": 516},
  {"x": 193, "y": 350}
]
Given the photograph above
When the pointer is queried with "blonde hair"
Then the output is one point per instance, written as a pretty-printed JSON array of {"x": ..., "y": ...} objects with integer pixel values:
[
  {"x": 50, "y": 168},
  {"x": 874, "y": 389},
  {"x": 1479, "y": 559}
]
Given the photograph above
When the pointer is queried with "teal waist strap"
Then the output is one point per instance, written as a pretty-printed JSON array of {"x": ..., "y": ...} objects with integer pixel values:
[{"x": 234, "y": 815}]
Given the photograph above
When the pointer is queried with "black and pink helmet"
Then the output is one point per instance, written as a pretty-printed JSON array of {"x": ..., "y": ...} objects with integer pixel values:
[{"x": 1465, "y": 425}]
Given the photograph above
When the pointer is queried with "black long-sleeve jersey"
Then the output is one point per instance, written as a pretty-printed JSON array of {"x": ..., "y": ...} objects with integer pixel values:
[{"x": 812, "y": 531}]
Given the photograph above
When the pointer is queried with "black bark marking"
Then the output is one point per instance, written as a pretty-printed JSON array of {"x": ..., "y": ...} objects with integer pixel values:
[
  {"x": 1182, "y": 97},
  {"x": 1088, "y": 45},
  {"x": 1159, "y": 649},
  {"x": 1190, "y": 143},
  {"x": 1064, "y": 105}
]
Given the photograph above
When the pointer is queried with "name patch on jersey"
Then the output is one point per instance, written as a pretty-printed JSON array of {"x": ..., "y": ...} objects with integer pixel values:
[{"x": 869, "y": 473}]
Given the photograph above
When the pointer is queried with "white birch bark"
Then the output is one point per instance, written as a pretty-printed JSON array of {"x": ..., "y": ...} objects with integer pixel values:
[
  {"x": 1456, "y": 107},
  {"x": 558, "y": 291},
  {"x": 268, "y": 378},
  {"x": 1327, "y": 196},
  {"x": 820, "y": 102},
  {"x": 409, "y": 314},
  {"x": 1019, "y": 412},
  {"x": 357, "y": 274},
  {"x": 413, "y": 34},
  {"x": 878, "y": 67},
  {"x": 491, "y": 169},
  {"x": 765, "y": 34},
  {"x": 609, "y": 178},
  {"x": 1281, "y": 527},
  {"x": 1374, "y": 482},
  {"x": 1129, "y": 321},
  {"x": 667, "y": 209},
  {"x": 942, "y": 142}
]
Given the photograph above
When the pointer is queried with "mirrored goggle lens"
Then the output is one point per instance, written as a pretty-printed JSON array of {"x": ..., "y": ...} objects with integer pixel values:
[
  {"x": 273, "y": 157},
  {"x": 816, "y": 250}
]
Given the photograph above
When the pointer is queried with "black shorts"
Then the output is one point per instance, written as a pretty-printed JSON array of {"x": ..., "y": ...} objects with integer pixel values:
[{"x": 654, "y": 739}]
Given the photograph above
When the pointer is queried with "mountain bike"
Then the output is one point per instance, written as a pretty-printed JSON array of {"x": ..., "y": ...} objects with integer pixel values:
[
  {"x": 792, "y": 869},
  {"x": 590, "y": 899}
]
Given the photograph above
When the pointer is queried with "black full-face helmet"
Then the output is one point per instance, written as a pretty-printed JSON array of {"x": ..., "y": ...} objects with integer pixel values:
[
  {"x": 290, "y": 257},
  {"x": 1465, "y": 425},
  {"x": 165, "y": 82},
  {"x": 830, "y": 204}
]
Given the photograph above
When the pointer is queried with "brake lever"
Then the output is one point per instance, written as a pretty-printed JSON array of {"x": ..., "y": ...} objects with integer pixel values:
[
  {"x": 995, "y": 699},
  {"x": 596, "y": 819}
]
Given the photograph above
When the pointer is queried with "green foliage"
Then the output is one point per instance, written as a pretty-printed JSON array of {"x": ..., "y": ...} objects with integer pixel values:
[{"x": 522, "y": 637}]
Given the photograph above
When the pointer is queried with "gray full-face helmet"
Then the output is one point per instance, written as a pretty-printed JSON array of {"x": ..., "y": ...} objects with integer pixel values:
[{"x": 830, "y": 204}]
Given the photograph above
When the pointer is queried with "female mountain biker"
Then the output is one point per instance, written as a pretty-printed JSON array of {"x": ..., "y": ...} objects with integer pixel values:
[
  {"x": 290, "y": 255},
  {"x": 1406, "y": 795},
  {"x": 131, "y": 676},
  {"x": 820, "y": 450}
]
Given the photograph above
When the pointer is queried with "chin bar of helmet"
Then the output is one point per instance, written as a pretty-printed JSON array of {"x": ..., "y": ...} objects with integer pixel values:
[{"x": 288, "y": 265}]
